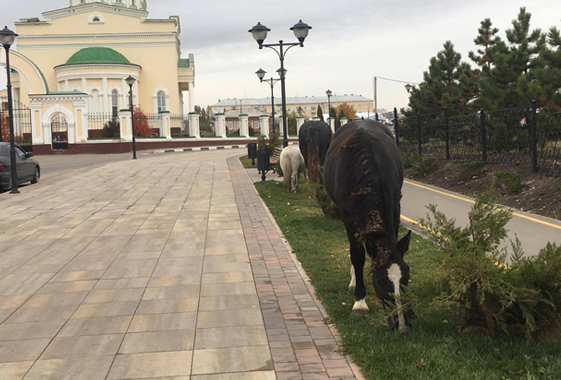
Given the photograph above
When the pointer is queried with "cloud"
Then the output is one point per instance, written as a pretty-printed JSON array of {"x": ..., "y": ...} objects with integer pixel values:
[{"x": 350, "y": 41}]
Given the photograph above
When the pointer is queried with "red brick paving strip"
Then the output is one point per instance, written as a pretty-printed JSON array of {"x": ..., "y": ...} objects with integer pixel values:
[{"x": 302, "y": 345}]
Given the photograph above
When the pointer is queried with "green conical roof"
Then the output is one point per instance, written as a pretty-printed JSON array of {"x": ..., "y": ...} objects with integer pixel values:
[{"x": 97, "y": 55}]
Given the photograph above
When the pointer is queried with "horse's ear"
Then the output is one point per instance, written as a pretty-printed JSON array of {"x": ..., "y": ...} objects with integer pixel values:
[{"x": 403, "y": 244}]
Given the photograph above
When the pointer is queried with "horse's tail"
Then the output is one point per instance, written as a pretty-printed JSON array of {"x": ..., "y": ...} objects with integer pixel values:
[{"x": 314, "y": 165}]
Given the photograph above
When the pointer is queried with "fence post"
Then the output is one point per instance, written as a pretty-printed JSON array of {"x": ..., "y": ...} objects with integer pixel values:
[
  {"x": 534, "y": 125},
  {"x": 396, "y": 126},
  {"x": 419, "y": 135},
  {"x": 447, "y": 129},
  {"x": 483, "y": 132}
]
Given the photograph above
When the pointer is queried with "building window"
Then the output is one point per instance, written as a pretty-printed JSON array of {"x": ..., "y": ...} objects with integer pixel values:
[
  {"x": 114, "y": 103},
  {"x": 230, "y": 125},
  {"x": 161, "y": 101},
  {"x": 95, "y": 104}
]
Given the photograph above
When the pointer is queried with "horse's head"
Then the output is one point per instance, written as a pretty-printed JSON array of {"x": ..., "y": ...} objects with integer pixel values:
[{"x": 390, "y": 282}]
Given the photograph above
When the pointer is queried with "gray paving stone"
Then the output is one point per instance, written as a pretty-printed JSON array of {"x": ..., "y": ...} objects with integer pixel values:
[
  {"x": 163, "y": 322},
  {"x": 235, "y": 359},
  {"x": 96, "y": 326},
  {"x": 14, "y": 371},
  {"x": 113, "y": 309},
  {"x": 151, "y": 365},
  {"x": 167, "y": 306},
  {"x": 238, "y": 336},
  {"x": 261, "y": 375},
  {"x": 20, "y": 351},
  {"x": 229, "y": 302},
  {"x": 89, "y": 368},
  {"x": 83, "y": 346},
  {"x": 158, "y": 341},
  {"x": 229, "y": 318},
  {"x": 242, "y": 288}
]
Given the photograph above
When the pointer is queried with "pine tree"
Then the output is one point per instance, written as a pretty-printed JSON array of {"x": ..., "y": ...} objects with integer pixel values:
[
  {"x": 505, "y": 85},
  {"x": 544, "y": 81},
  {"x": 486, "y": 39},
  {"x": 320, "y": 113},
  {"x": 443, "y": 84}
]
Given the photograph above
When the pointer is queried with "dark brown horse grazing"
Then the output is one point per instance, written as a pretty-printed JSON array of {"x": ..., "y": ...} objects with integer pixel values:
[
  {"x": 363, "y": 175},
  {"x": 314, "y": 139}
]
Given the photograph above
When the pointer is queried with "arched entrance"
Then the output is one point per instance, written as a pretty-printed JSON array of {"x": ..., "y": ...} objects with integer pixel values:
[{"x": 59, "y": 132}]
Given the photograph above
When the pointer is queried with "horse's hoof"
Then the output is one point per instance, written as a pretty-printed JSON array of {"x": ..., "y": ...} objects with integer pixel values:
[
  {"x": 360, "y": 308},
  {"x": 361, "y": 313}
]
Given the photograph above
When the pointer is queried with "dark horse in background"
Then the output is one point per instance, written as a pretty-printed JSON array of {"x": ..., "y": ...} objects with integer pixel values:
[
  {"x": 363, "y": 175},
  {"x": 314, "y": 137}
]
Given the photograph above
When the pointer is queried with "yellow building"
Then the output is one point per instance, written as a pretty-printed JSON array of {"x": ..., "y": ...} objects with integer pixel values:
[{"x": 72, "y": 64}]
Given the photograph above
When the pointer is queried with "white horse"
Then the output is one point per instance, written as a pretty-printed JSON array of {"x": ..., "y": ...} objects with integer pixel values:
[{"x": 292, "y": 164}]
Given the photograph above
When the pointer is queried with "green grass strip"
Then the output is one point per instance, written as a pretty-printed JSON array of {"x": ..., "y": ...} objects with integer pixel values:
[{"x": 434, "y": 348}]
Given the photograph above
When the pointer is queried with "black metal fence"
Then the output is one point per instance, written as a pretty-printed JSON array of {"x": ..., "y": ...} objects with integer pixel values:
[
  {"x": 97, "y": 121},
  {"x": 155, "y": 123},
  {"x": 22, "y": 121},
  {"x": 179, "y": 125},
  {"x": 518, "y": 136}
]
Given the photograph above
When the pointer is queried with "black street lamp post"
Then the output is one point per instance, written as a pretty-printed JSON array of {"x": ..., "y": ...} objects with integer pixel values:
[
  {"x": 272, "y": 81},
  {"x": 130, "y": 81},
  {"x": 301, "y": 31},
  {"x": 329, "y": 94},
  {"x": 7, "y": 39}
]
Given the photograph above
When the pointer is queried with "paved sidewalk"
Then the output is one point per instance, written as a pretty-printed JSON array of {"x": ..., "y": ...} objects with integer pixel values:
[{"x": 164, "y": 268}]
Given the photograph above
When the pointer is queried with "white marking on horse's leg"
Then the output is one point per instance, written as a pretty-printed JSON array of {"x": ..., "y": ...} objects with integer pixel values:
[
  {"x": 394, "y": 274},
  {"x": 353, "y": 277},
  {"x": 360, "y": 307}
]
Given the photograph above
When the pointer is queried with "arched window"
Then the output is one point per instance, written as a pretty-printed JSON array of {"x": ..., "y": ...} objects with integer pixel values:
[
  {"x": 161, "y": 101},
  {"x": 96, "y": 19},
  {"x": 95, "y": 103},
  {"x": 114, "y": 103}
]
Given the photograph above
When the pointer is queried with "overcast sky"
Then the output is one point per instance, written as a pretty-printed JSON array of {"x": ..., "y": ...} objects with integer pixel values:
[{"x": 350, "y": 43}]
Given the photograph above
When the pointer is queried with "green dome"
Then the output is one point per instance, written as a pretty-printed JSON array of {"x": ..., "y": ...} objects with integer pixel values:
[{"x": 97, "y": 55}]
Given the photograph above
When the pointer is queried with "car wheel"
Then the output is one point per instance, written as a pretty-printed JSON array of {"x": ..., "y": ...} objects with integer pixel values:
[{"x": 36, "y": 176}]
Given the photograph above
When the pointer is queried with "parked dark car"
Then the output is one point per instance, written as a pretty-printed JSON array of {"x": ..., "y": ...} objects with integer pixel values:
[{"x": 27, "y": 168}]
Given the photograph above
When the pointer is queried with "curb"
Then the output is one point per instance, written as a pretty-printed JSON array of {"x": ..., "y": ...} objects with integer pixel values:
[{"x": 207, "y": 148}]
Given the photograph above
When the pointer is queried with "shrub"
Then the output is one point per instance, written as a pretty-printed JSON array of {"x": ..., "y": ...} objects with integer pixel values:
[
  {"x": 326, "y": 204},
  {"x": 270, "y": 142},
  {"x": 141, "y": 125},
  {"x": 410, "y": 159},
  {"x": 112, "y": 129},
  {"x": 468, "y": 170},
  {"x": 424, "y": 167},
  {"x": 509, "y": 183},
  {"x": 492, "y": 295}
]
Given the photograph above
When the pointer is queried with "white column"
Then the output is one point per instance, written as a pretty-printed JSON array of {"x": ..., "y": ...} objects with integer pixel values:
[
  {"x": 66, "y": 85},
  {"x": 344, "y": 121},
  {"x": 192, "y": 97},
  {"x": 105, "y": 106},
  {"x": 331, "y": 122},
  {"x": 264, "y": 123},
  {"x": 244, "y": 125},
  {"x": 281, "y": 129},
  {"x": 36, "y": 116},
  {"x": 84, "y": 85},
  {"x": 299, "y": 122},
  {"x": 194, "y": 128},
  {"x": 221, "y": 125},
  {"x": 126, "y": 127},
  {"x": 166, "y": 125}
]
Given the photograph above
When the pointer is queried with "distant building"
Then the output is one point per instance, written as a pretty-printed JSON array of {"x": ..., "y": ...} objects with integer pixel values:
[
  {"x": 70, "y": 69},
  {"x": 307, "y": 104}
]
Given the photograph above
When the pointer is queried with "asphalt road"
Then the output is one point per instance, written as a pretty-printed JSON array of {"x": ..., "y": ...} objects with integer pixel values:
[
  {"x": 55, "y": 168},
  {"x": 533, "y": 231}
]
